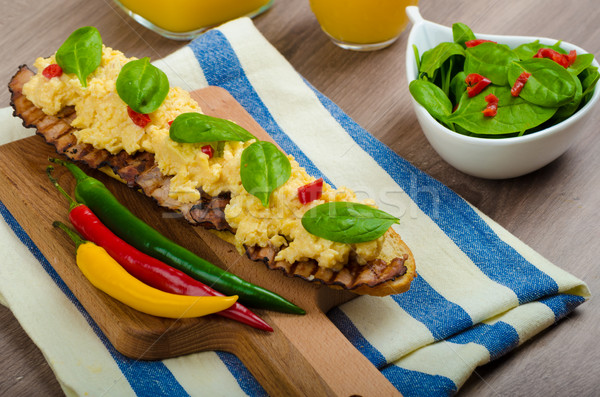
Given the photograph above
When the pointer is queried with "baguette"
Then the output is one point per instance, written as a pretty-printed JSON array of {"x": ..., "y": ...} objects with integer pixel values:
[{"x": 391, "y": 272}]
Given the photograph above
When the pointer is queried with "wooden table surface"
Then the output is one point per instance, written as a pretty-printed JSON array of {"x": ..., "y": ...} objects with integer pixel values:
[{"x": 554, "y": 210}]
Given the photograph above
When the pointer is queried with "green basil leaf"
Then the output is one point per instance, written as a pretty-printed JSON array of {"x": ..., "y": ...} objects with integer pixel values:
[
  {"x": 263, "y": 168},
  {"x": 489, "y": 60},
  {"x": 434, "y": 58},
  {"x": 431, "y": 97},
  {"x": 348, "y": 223},
  {"x": 514, "y": 113},
  {"x": 461, "y": 33},
  {"x": 81, "y": 53},
  {"x": 142, "y": 85},
  {"x": 195, "y": 127},
  {"x": 549, "y": 85}
]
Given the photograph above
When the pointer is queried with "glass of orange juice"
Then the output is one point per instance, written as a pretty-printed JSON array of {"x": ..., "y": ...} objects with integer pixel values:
[
  {"x": 186, "y": 19},
  {"x": 362, "y": 25}
]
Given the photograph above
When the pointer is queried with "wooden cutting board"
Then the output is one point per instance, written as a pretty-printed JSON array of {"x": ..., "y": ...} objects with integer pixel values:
[{"x": 305, "y": 355}]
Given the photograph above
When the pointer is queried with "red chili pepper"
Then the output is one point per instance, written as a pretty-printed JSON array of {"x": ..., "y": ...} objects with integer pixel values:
[
  {"x": 311, "y": 191},
  {"x": 476, "y": 83},
  {"x": 492, "y": 105},
  {"x": 476, "y": 42},
  {"x": 562, "y": 59},
  {"x": 139, "y": 119},
  {"x": 208, "y": 150},
  {"x": 171, "y": 122},
  {"x": 148, "y": 269},
  {"x": 52, "y": 70},
  {"x": 519, "y": 83}
]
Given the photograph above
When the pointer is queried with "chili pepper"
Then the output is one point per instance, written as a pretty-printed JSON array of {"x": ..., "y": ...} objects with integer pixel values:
[
  {"x": 476, "y": 83},
  {"x": 134, "y": 231},
  {"x": 208, "y": 150},
  {"x": 562, "y": 59},
  {"x": 311, "y": 191},
  {"x": 108, "y": 276},
  {"x": 52, "y": 70},
  {"x": 519, "y": 83},
  {"x": 492, "y": 105},
  {"x": 139, "y": 119},
  {"x": 476, "y": 42},
  {"x": 145, "y": 268}
]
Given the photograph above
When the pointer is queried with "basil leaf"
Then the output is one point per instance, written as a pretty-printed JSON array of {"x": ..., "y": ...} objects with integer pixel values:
[
  {"x": 263, "y": 168},
  {"x": 348, "y": 223},
  {"x": 81, "y": 53},
  {"x": 431, "y": 97},
  {"x": 489, "y": 60},
  {"x": 514, "y": 113},
  {"x": 549, "y": 85},
  {"x": 142, "y": 85},
  {"x": 195, "y": 127},
  {"x": 433, "y": 59},
  {"x": 461, "y": 33}
]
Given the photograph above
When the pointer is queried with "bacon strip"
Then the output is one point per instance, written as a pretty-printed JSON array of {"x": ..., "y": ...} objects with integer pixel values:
[{"x": 140, "y": 171}]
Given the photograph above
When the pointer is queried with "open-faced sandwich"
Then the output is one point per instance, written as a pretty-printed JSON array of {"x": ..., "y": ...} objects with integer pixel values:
[{"x": 120, "y": 115}]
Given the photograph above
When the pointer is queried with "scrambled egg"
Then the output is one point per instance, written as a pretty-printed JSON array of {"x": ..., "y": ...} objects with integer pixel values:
[{"x": 102, "y": 121}]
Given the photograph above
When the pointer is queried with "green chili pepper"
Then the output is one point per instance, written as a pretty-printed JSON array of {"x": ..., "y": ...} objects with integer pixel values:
[{"x": 133, "y": 230}]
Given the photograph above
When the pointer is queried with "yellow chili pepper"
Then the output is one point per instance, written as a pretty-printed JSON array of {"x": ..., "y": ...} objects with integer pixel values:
[{"x": 107, "y": 275}]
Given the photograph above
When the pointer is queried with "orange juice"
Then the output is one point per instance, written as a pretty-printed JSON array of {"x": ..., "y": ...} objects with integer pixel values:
[
  {"x": 362, "y": 24},
  {"x": 179, "y": 18}
]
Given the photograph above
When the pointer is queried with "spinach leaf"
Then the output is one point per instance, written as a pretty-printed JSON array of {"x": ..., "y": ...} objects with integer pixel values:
[
  {"x": 582, "y": 62},
  {"x": 142, "y": 85},
  {"x": 528, "y": 50},
  {"x": 514, "y": 113},
  {"x": 458, "y": 86},
  {"x": 567, "y": 110},
  {"x": 431, "y": 97},
  {"x": 489, "y": 60},
  {"x": 549, "y": 85},
  {"x": 81, "y": 53},
  {"x": 589, "y": 82},
  {"x": 348, "y": 223},
  {"x": 195, "y": 127},
  {"x": 263, "y": 168},
  {"x": 461, "y": 33},
  {"x": 433, "y": 59}
]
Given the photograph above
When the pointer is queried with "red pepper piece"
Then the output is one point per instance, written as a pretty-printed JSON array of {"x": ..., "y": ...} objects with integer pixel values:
[
  {"x": 208, "y": 150},
  {"x": 492, "y": 105},
  {"x": 52, "y": 70},
  {"x": 139, "y": 119},
  {"x": 311, "y": 191},
  {"x": 519, "y": 83},
  {"x": 148, "y": 269},
  {"x": 476, "y": 83},
  {"x": 476, "y": 42},
  {"x": 562, "y": 59}
]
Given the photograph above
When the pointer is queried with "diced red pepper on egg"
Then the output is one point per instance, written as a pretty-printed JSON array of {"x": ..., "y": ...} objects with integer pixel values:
[
  {"x": 311, "y": 191},
  {"x": 139, "y": 119},
  {"x": 208, "y": 150},
  {"x": 52, "y": 70}
]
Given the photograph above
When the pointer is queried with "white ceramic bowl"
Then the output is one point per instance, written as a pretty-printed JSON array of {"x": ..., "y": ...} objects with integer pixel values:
[{"x": 482, "y": 157}]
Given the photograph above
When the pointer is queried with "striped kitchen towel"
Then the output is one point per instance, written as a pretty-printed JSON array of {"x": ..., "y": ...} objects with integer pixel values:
[{"x": 480, "y": 292}]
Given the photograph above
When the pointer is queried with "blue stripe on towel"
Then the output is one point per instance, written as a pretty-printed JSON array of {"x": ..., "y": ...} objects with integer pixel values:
[
  {"x": 442, "y": 317},
  {"x": 562, "y": 304},
  {"x": 498, "y": 338},
  {"x": 147, "y": 378},
  {"x": 418, "y": 384},
  {"x": 222, "y": 68},
  {"x": 244, "y": 378},
  {"x": 498, "y": 260}
]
